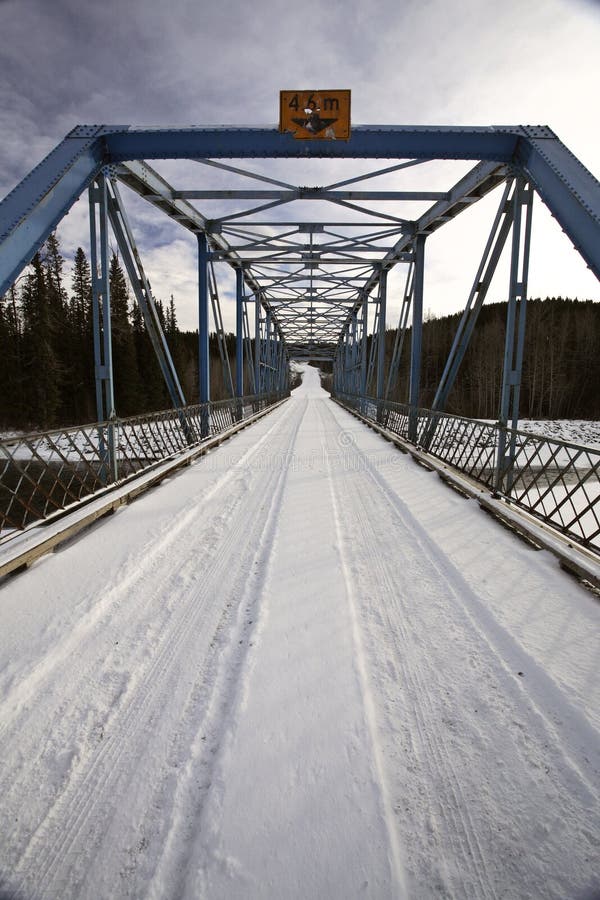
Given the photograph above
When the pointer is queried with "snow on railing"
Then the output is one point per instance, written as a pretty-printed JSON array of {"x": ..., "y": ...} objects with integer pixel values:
[
  {"x": 556, "y": 481},
  {"x": 44, "y": 473}
]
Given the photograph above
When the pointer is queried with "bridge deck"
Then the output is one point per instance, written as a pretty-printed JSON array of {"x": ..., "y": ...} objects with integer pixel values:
[{"x": 302, "y": 668}]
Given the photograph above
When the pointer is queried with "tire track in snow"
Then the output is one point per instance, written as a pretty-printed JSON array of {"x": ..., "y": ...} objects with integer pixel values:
[
  {"x": 192, "y": 838},
  {"x": 134, "y": 566},
  {"x": 543, "y": 692},
  {"x": 460, "y": 830},
  {"x": 361, "y": 667},
  {"x": 428, "y": 563},
  {"x": 88, "y": 797}
]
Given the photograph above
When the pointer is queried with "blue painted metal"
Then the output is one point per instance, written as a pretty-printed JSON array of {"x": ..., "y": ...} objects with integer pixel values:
[
  {"x": 257, "y": 346},
  {"x": 31, "y": 211},
  {"x": 312, "y": 281},
  {"x": 515, "y": 334},
  {"x": 489, "y": 261},
  {"x": 567, "y": 188},
  {"x": 101, "y": 319},
  {"x": 35, "y": 207},
  {"x": 417, "y": 331},
  {"x": 143, "y": 294},
  {"x": 366, "y": 142},
  {"x": 400, "y": 332},
  {"x": 203, "y": 329},
  {"x": 99, "y": 257},
  {"x": 239, "y": 333},
  {"x": 380, "y": 389}
]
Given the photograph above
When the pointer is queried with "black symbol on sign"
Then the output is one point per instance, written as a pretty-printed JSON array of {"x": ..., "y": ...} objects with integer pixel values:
[{"x": 313, "y": 121}]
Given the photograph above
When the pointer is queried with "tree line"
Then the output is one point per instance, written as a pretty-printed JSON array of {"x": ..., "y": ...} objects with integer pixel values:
[
  {"x": 561, "y": 367},
  {"x": 47, "y": 357},
  {"x": 47, "y": 354}
]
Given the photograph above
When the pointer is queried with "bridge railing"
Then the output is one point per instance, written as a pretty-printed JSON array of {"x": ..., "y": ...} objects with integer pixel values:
[
  {"x": 44, "y": 473},
  {"x": 555, "y": 481}
]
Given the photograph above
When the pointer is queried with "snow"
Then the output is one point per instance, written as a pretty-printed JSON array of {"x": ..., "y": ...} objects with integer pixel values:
[{"x": 301, "y": 668}]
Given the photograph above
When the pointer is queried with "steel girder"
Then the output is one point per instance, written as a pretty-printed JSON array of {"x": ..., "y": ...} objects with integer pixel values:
[
  {"x": 37, "y": 204},
  {"x": 312, "y": 278}
]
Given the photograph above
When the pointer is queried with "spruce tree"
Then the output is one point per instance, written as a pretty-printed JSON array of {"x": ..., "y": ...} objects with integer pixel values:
[
  {"x": 129, "y": 395},
  {"x": 42, "y": 380},
  {"x": 82, "y": 351}
]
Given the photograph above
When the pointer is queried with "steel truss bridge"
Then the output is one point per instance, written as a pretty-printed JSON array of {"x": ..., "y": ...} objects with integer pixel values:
[{"x": 308, "y": 286}]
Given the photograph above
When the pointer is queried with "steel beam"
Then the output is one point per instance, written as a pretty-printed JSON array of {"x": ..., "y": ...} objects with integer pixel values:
[
  {"x": 315, "y": 193},
  {"x": 35, "y": 207},
  {"x": 239, "y": 333},
  {"x": 102, "y": 327},
  {"x": 568, "y": 189},
  {"x": 143, "y": 294},
  {"x": 203, "y": 329},
  {"x": 381, "y": 336},
  {"x": 417, "y": 336},
  {"x": 366, "y": 142},
  {"x": 485, "y": 272},
  {"x": 515, "y": 334}
]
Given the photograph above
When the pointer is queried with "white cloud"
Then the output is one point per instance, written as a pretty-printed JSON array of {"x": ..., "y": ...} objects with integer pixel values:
[{"x": 435, "y": 62}]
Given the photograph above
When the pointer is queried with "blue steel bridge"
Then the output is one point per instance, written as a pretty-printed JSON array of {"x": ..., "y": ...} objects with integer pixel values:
[
  {"x": 311, "y": 270},
  {"x": 302, "y": 666}
]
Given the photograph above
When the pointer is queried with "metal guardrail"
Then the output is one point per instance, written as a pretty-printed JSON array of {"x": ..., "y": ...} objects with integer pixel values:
[
  {"x": 45, "y": 473},
  {"x": 555, "y": 481}
]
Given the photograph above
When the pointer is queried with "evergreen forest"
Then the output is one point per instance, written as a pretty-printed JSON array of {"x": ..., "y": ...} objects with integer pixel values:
[{"x": 47, "y": 360}]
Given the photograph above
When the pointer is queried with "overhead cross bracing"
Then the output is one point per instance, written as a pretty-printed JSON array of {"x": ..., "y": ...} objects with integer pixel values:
[
  {"x": 310, "y": 273},
  {"x": 275, "y": 229},
  {"x": 311, "y": 252}
]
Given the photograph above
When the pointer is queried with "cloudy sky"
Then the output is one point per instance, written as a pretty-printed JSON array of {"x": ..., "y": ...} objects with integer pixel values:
[{"x": 193, "y": 62}]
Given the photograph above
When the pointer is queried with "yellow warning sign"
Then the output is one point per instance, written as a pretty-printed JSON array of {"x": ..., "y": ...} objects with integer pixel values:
[{"x": 315, "y": 115}]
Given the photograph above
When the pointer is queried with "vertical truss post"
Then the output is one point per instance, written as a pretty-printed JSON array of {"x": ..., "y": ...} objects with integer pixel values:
[
  {"x": 203, "y": 332},
  {"x": 248, "y": 342},
  {"x": 417, "y": 338},
  {"x": 336, "y": 369},
  {"x": 374, "y": 343},
  {"x": 101, "y": 319},
  {"x": 348, "y": 361},
  {"x": 515, "y": 334},
  {"x": 239, "y": 337},
  {"x": 268, "y": 367},
  {"x": 381, "y": 341},
  {"x": 354, "y": 354},
  {"x": 285, "y": 365},
  {"x": 213, "y": 289},
  {"x": 257, "y": 345},
  {"x": 364, "y": 345}
]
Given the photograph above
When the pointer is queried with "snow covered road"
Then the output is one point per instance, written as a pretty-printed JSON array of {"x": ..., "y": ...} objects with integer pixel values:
[{"x": 303, "y": 668}]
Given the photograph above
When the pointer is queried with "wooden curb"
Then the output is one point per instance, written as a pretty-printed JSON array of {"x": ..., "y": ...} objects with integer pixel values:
[
  {"x": 24, "y": 547},
  {"x": 579, "y": 561}
]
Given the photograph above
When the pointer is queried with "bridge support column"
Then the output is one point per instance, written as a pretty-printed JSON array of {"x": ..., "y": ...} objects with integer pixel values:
[
  {"x": 515, "y": 334},
  {"x": 203, "y": 332},
  {"x": 101, "y": 321},
  {"x": 381, "y": 342},
  {"x": 257, "y": 346},
  {"x": 364, "y": 346},
  {"x": 239, "y": 337},
  {"x": 417, "y": 338}
]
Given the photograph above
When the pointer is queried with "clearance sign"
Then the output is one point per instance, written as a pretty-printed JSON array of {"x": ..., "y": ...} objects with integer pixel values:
[{"x": 315, "y": 115}]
